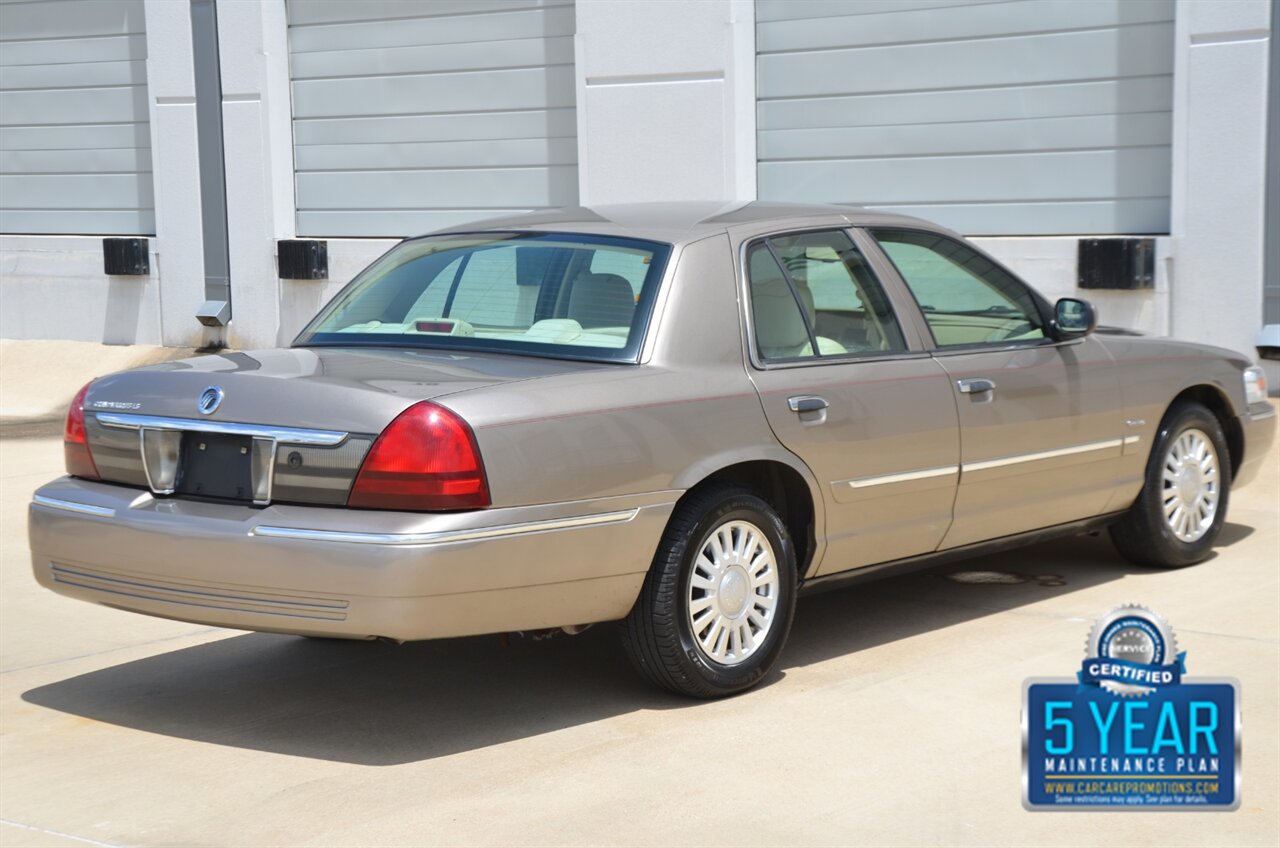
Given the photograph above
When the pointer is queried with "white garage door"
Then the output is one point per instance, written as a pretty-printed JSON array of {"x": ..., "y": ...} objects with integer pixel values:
[
  {"x": 409, "y": 115},
  {"x": 1017, "y": 117},
  {"x": 75, "y": 136}
]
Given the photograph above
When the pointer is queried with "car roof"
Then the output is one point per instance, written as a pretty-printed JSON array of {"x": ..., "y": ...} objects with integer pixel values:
[{"x": 684, "y": 221}]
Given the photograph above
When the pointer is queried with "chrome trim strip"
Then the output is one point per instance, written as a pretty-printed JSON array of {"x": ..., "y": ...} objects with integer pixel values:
[
  {"x": 926, "y": 473},
  {"x": 1035, "y": 457},
  {"x": 158, "y": 487},
  {"x": 262, "y": 469},
  {"x": 146, "y": 472},
  {"x": 906, "y": 476},
  {"x": 72, "y": 506},
  {"x": 445, "y": 537},
  {"x": 289, "y": 435}
]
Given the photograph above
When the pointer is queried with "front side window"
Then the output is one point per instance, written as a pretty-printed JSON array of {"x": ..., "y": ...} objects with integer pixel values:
[
  {"x": 813, "y": 296},
  {"x": 546, "y": 294},
  {"x": 966, "y": 298}
]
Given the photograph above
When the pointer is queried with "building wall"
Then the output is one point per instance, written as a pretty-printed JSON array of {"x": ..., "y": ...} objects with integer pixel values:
[
  {"x": 666, "y": 100},
  {"x": 665, "y": 107},
  {"x": 1049, "y": 264},
  {"x": 1269, "y": 341},
  {"x": 413, "y": 117},
  {"x": 75, "y": 141},
  {"x": 52, "y": 287},
  {"x": 1018, "y": 118},
  {"x": 1218, "y": 171}
]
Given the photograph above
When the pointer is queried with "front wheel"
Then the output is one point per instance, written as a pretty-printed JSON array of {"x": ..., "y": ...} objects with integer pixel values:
[
  {"x": 1183, "y": 503},
  {"x": 718, "y": 601}
]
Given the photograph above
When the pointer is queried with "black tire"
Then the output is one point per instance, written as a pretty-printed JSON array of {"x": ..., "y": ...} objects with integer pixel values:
[
  {"x": 1143, "y": 536},
  {"x": 658, "y": 634}
]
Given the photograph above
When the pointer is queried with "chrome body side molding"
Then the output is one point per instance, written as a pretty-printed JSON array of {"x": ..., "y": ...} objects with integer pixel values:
[
  {"x": 73, "y": 506},
  {"x": 445, "y": 537},
  {"x": 904, "y": 477},
  {"x": 1090, "y": 447},
  {"x": 968, "y": 467}
]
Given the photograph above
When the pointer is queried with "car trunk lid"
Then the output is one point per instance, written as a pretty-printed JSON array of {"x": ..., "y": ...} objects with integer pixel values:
[{"x": 283, "y": 425}]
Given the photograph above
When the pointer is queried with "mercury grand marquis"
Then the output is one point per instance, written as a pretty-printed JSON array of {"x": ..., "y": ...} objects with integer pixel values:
[{"x": 674, "y": 416}]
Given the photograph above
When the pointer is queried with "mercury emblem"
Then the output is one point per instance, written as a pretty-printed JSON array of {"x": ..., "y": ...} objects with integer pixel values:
[{"x": 209, "y": 400}]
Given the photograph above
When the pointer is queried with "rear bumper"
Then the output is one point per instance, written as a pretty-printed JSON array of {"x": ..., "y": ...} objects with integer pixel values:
[
  {"x": 336, "y": 572},
  {"x": 1259, "y": 428}
]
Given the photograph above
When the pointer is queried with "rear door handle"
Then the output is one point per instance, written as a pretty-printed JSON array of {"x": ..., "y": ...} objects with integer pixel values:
[
  {"x": 975, "y": 386},
  {"x": 807, "y": 403}
]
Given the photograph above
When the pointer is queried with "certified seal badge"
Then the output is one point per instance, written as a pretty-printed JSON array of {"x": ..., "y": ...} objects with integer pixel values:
[
  {"x": 1131, "y": 651},
  {"x": 1131, "y": 731}
]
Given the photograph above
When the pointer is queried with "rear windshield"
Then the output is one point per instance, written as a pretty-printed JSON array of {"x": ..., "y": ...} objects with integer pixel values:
[{"x": 546, "y": 294}]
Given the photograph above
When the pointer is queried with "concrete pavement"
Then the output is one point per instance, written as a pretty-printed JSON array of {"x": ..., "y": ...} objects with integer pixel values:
[
  {"x": 893, "y": 720},
  {"x": 39, "y": 378}
]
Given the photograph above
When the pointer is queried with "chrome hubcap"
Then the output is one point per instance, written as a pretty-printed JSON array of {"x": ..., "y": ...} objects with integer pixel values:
[
  {"x": 1190, "y": 485},
  {"x": 733, "y": 592}
]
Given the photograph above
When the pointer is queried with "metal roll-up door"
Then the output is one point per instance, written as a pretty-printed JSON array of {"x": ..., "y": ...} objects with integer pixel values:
[
  {"x": 1021, "y": 117},
  {"x": 75, "y": 135},
  {"x": 1271, "y": 248},
  {"x": 410, "y": 115}
]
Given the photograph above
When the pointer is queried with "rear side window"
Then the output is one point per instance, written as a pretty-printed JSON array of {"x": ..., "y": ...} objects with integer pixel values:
[
  {"x": 813, "y": 296},
  {"x": 545, "y": 294}
]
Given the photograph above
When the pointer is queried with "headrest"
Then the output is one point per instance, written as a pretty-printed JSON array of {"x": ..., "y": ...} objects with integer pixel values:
[
  {"x": 601, "y": 300},
  {"x": 780, "y": 327}
]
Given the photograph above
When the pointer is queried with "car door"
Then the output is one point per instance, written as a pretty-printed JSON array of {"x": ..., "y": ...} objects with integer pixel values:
[
  {"x": 852, "y": 392},
  {"x": 1041, "y": 422}
]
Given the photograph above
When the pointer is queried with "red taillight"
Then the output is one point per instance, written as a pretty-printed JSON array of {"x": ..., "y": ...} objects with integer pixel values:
[
  {"x": 75, "y": 442},
  {"x": 426, "y": 459}
]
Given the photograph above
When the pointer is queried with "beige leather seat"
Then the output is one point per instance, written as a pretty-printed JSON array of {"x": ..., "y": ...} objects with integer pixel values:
[
  {"x": 780, "y": 328},
  {"x": 826, "y": 346}
]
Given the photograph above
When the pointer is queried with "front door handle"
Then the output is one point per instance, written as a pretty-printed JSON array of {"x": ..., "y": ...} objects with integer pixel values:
[
  {"x": 975, "y": 386},
  {"x": 807, "y": 403}
]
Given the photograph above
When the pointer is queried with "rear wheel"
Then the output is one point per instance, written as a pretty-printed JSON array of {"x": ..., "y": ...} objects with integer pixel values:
[
  {"x": 1183, "y": 503},
  {"x": 718, "y": 601}
]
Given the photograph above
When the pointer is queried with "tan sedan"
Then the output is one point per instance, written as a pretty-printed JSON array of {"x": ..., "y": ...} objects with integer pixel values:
[{"x": 670, "y": 415}]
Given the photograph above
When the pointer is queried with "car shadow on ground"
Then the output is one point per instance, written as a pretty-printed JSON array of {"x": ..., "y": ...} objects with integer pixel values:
[{"x": 380, "y": 704}]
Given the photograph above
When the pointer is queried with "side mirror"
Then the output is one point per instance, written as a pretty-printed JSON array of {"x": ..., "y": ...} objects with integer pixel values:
[{"x": 1073, "y": 318}]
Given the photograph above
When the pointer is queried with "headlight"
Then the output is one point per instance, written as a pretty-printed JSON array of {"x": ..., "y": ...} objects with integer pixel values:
[{"x": 1255, "y": 385}]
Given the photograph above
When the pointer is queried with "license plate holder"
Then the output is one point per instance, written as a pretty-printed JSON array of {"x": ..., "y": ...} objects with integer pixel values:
[{"x": 215, "y": 465}]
